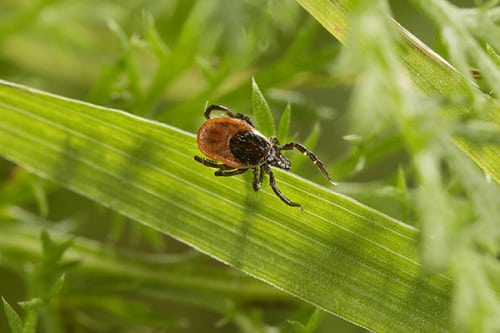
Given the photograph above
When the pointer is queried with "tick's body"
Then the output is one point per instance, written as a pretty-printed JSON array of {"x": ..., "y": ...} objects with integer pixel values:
[
  {"x": 234, "y": 145},
  {"x": 223, "y": 139}
]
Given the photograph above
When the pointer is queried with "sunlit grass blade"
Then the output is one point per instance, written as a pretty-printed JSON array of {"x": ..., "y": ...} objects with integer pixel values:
[{"x": 336, "y": 253}]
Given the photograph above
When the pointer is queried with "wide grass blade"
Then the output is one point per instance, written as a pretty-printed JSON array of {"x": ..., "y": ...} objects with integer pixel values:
[{"x": 335, "y": 253}]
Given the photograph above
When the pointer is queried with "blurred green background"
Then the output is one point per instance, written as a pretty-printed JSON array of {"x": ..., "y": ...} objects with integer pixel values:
[{"x": 165, "y": 60}]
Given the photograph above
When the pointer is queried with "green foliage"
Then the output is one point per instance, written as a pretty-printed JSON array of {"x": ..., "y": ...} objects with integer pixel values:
[
  {"x": 400, "y": 129},
  {"x": 262, "y": 112},
  {"x": 454, "y": 197},
  {"x": 312, "y": 324},
  {"x": 15, "y": 323},
  {"x": 284, "y": 124},
  {"x": 170, "y": 193},
  {"x": 42, "y": 285}
]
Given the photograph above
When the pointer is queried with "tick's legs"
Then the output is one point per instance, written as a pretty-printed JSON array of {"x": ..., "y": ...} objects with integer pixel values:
[
  {"x": 258, "y": 175},
  {"x": 229, "y": 173},
  {"x": 228, "y": 112},
  {"x": 245, "y": 118},
  {"x": 212, "y": 164},
  {"x": 312, "y": 157},
  {"x": 224, "y": 170},
  {"x": 272, "y": 182},
  {"x": 215, "y": 107}
]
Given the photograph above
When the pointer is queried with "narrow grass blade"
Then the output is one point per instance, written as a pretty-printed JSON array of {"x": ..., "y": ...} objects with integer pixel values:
[
  {"x": 263, "y": 117},
  {"x": 15, "y": 322},
  {"x": 284, "y": 125}
]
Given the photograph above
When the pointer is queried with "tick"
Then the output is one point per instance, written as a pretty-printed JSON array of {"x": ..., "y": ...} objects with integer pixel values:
[{"x": 234, "y": 146}]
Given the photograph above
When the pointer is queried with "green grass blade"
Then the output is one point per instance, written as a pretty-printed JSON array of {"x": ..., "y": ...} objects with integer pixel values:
[
  {"x": 15, "y": 322},
  {"x": 336, "y": 253},
  {"x": 429, "y": 72},
  {"x": 284, "y": 125},
  {"x": 262, "y": 112},
  {"x": 169, "y": 278}
]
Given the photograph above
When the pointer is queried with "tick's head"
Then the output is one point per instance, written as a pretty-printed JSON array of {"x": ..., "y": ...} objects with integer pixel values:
[{"x": 277, "y": 159}]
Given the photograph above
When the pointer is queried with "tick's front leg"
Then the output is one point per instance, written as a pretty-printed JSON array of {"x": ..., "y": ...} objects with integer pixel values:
[{"x": 215, "y": 107}]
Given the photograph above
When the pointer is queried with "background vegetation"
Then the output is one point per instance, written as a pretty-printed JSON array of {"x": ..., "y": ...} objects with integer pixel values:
[{"x": 390, "y": 145}]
